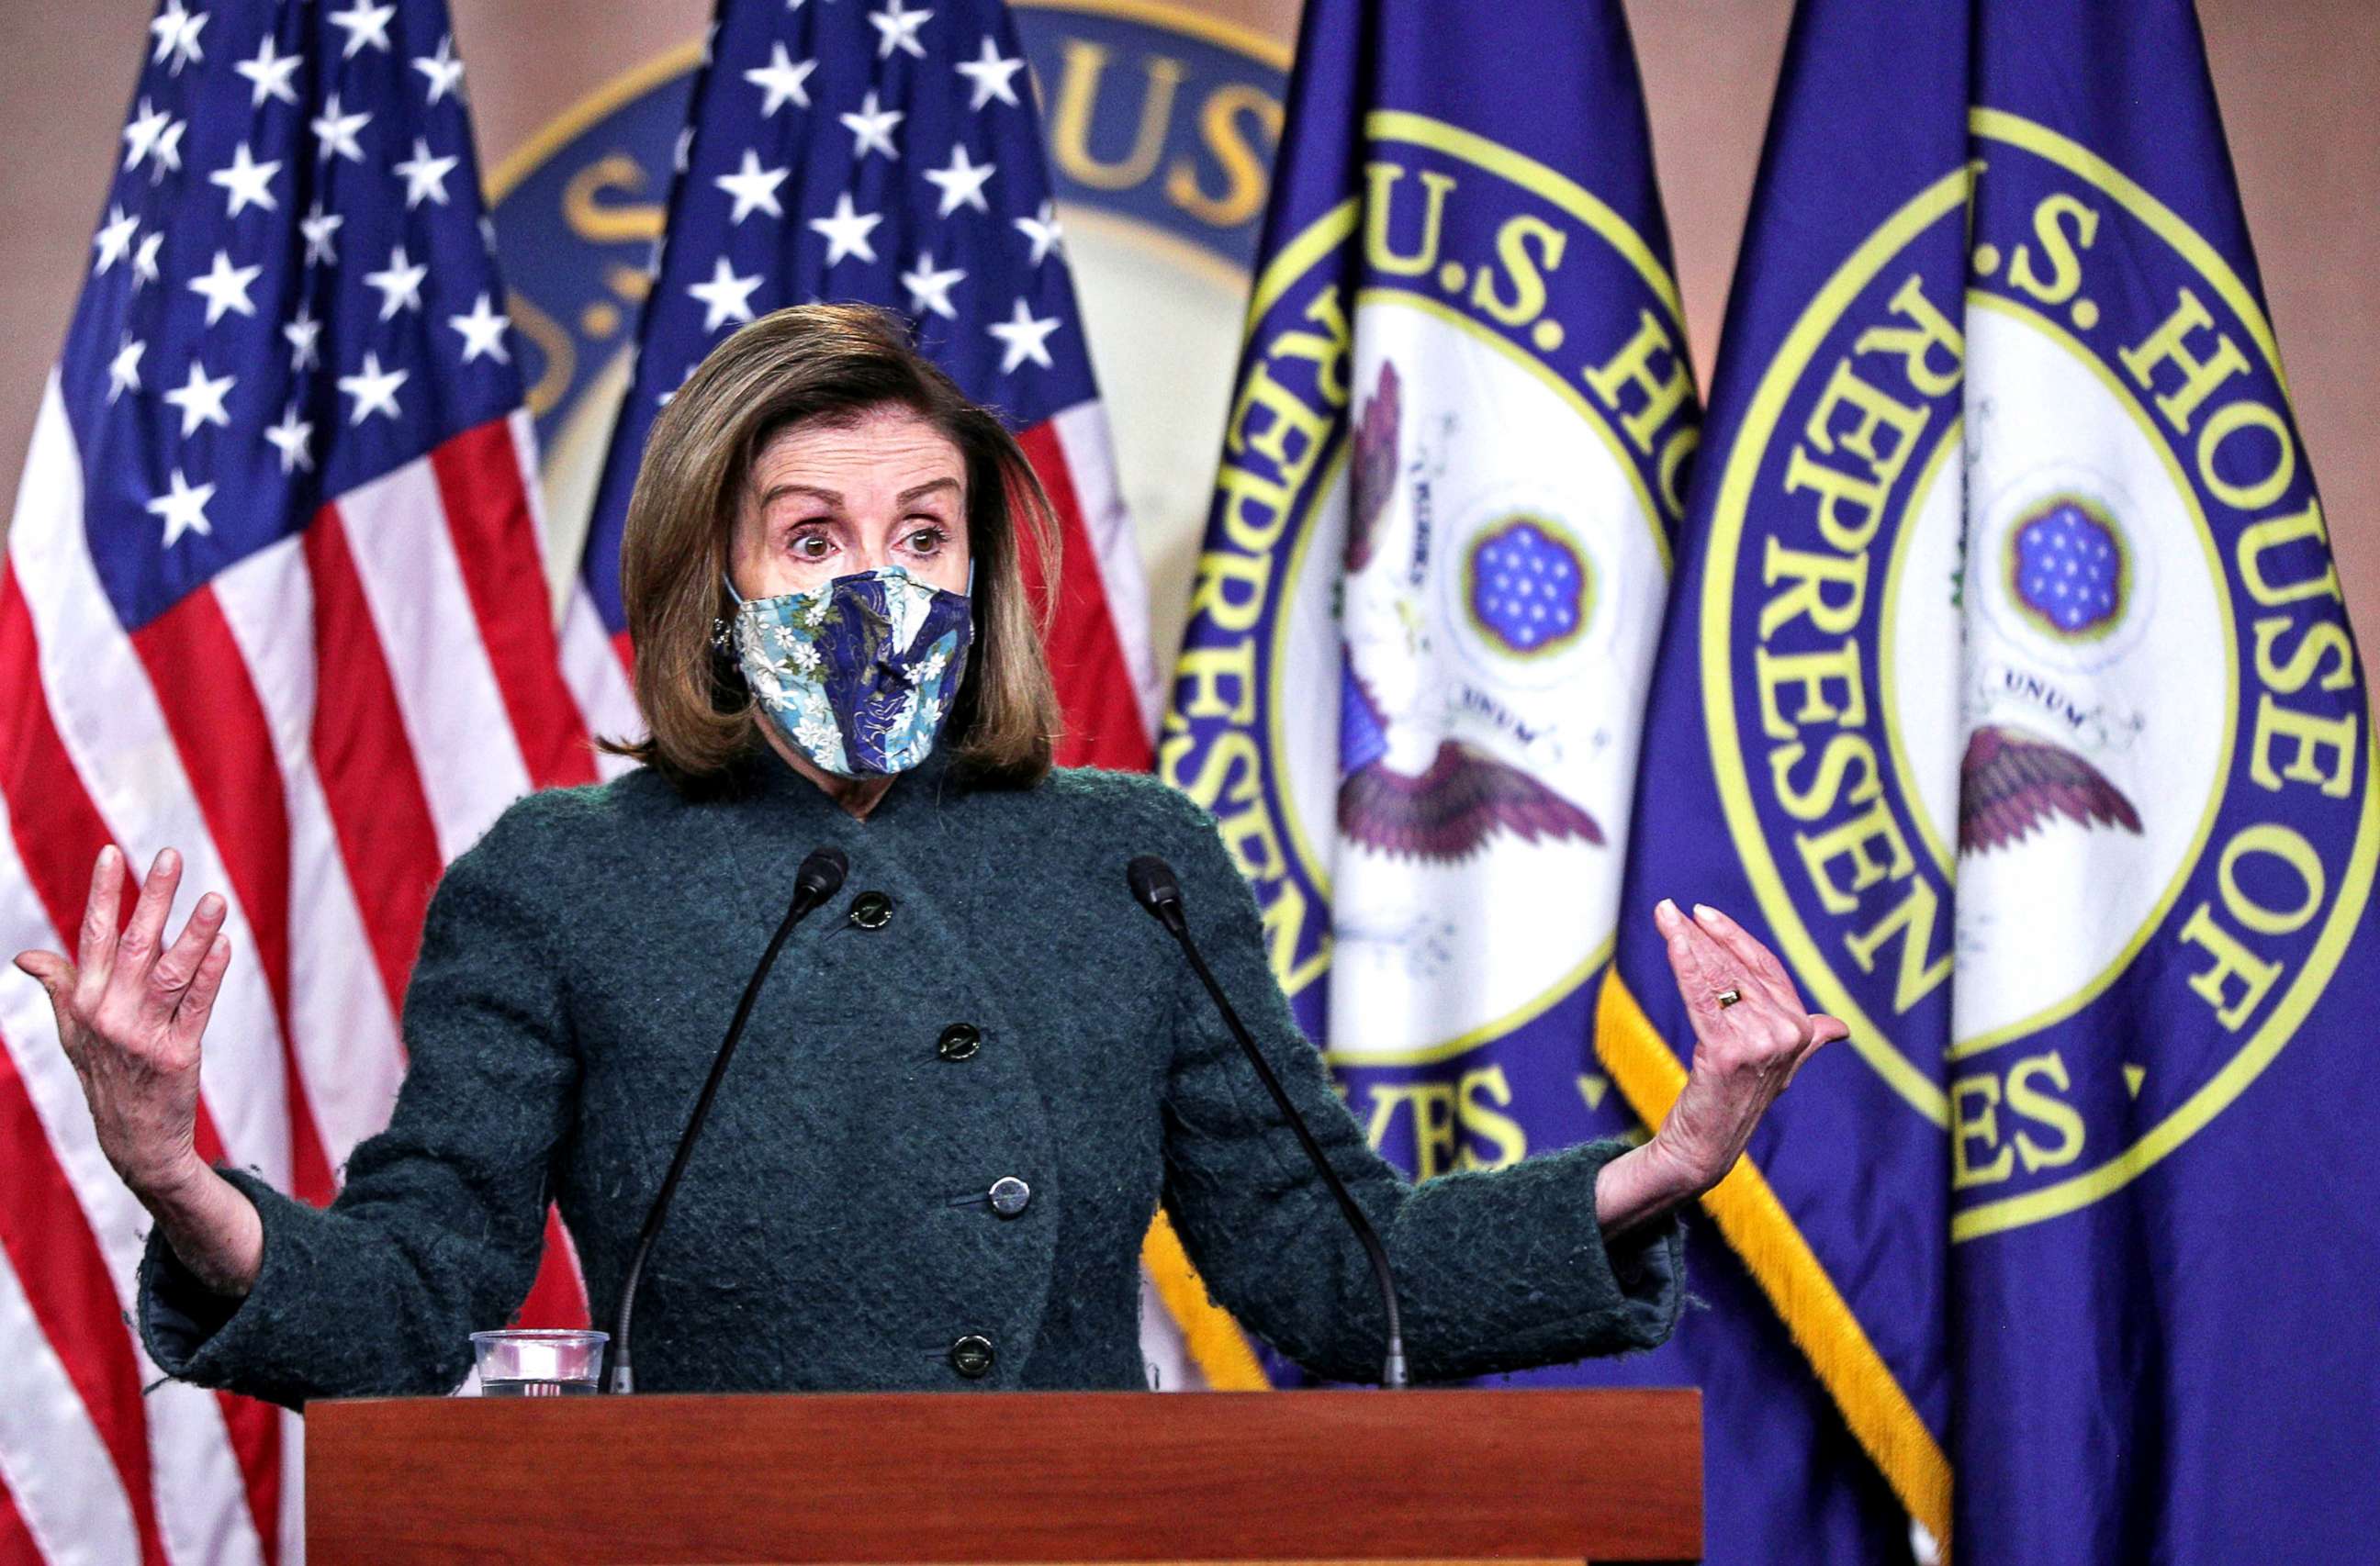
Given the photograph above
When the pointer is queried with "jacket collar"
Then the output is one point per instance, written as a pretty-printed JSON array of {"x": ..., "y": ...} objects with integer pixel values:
[{"x": 763, "y": 774}]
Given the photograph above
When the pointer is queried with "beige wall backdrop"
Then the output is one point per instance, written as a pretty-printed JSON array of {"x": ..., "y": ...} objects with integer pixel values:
[{"x": 2300, "y": 81}]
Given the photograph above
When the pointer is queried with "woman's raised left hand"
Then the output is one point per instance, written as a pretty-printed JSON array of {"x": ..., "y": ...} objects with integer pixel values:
[
  {"x": 1746, "y": 1050},
  {"x": 1752, "y": 1034}
]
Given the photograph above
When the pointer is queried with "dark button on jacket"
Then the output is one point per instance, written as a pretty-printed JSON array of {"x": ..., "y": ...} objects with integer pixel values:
[
  {"x": 576, "y": 971},
  {"x": 972, "y": 1357}
]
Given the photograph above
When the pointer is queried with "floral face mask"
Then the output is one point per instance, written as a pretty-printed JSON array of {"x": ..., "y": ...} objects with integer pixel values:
[{"x": 857, "y": 674}]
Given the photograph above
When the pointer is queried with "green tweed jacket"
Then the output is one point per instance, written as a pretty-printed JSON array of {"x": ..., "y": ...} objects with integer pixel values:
[{"x": 1016, "y": 1016}]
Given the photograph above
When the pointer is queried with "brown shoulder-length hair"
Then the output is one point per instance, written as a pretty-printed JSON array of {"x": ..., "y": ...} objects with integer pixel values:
[{"x": 810, "y": 364}]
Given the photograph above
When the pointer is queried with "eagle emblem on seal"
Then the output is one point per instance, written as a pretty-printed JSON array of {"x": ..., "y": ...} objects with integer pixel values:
[
  {"x": 2013, "y": 783},
  {"x": 1402, "y": 792}
]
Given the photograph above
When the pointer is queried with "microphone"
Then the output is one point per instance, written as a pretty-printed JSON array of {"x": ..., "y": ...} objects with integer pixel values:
[
  {"x": 818, "y": 879},
  {"x": 1155, "y": 889}
]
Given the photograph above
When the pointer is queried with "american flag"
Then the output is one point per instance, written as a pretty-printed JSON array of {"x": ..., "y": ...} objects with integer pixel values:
[
  {"x": 893, "y": 155},
  {"x": 273, "y": 597}
]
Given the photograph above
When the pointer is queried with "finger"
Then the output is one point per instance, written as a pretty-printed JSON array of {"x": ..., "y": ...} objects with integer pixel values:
[
  {"x": 1760, "y": 964},
  {"x": 57, "y": 977},
  {"x": 1824, "y": 1030},
  {"x": 1768, "y": 1009},
  {"x": 180, "y": 963},
  {"x": 199, "y": 998},
  {"x": 1716, "y": 966},
  {"x": 137, "y": 948},
  {"x": 95, "y": 948},
  {"x": 51, "y": 972},
  {"x": 1686, "y": 962}
]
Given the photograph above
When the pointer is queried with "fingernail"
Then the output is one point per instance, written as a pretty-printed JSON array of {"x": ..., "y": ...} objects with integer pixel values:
[
  {"x": 1705, "y": 912},
  {"x": 1666, "y": 905}
]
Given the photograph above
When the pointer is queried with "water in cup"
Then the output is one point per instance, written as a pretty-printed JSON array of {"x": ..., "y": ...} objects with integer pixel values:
[{"x": 527, "y": 1388}]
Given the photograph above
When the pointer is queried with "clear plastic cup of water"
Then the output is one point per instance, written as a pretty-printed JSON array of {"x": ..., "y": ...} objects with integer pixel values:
[{"x": 522, "y": 1362}]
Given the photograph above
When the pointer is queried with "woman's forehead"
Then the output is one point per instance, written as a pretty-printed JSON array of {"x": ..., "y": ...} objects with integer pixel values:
[{"x": 883, "y": 448}]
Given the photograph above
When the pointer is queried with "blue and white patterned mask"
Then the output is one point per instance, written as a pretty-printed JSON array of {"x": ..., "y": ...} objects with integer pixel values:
[{"x": 857, "y": 674}]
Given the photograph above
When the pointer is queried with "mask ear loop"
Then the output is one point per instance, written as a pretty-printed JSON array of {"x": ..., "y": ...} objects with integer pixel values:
[{"x": 722, "y": 633}]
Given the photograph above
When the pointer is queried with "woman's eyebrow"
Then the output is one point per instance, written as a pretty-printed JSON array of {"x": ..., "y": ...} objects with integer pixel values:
[
  {"x": 779, "y": 492},
  {"x": 930, "y": 486},
  {"x": 834, "y": 497}
]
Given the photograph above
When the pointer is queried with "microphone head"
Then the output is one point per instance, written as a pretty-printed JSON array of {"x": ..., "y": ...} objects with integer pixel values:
[
  {"x": 1154, "y": 888},
  {"x": 821, "y": 874}
]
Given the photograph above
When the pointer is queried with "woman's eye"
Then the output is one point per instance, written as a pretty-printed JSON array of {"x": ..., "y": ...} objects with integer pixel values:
[
  {"x": 811, "y": 546},
  {"x": 925, "y": 541}
]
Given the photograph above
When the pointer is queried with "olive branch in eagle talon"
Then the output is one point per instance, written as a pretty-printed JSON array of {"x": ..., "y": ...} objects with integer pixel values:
[
  {"x": 1445, "y": 812},
  {"x": 1376, "y": 467},
  {"x": 2011, "y": 784}
]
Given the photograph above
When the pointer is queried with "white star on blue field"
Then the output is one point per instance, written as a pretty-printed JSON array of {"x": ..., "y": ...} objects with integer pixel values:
[
  {"x": 1526, "y": 587},
  {"x": 2070, "y": 568}
]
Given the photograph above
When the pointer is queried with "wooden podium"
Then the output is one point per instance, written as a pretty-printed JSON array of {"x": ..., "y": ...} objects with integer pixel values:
[{"x": 1009, "y": 1476}]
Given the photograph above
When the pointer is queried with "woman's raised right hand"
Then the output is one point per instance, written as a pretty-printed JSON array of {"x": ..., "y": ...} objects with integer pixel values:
[{"x": 130, "y": 1011}]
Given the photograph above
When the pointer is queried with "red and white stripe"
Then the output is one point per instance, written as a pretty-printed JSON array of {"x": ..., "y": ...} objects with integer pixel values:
[
  {"x": 1098, "y": 645},
  {"x": 593, "y": 666},
  {"x": 318, "y": 731},
  {"x": 597, "y": 666}
]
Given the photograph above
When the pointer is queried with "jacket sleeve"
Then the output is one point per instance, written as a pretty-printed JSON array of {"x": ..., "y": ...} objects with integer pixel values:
[
  {"x": 1496, "y": 1271},
  {"x": 438, "y": 1230}
]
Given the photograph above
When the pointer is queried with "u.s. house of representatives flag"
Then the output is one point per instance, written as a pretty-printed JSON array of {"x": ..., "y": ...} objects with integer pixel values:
[
  {"x": 1436, "y": 559},
  {"x": 2159, "y": 1068},
  {"x": 2009, "y": 687},
  {"x": 893, "y": 155},
  {"x": 273, "y": 598}
]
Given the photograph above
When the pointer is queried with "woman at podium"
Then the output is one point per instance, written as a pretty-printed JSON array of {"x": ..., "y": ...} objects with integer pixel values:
[{"x": 972, "y": 1078}]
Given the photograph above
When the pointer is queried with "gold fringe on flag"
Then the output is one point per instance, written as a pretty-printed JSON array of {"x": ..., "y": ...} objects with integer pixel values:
[
  {"x": 1213, "y": 1340},
  {"x": 1757, "y": 1226}
]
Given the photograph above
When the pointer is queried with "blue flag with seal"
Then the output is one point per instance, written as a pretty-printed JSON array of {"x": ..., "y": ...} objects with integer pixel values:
[
  {"x": 1435, "y": 564},
  {"x": 2165, "y": 968},
  {"x": 2009, "y": 688},
  {"x": 1838, "y": 1211},
  {"x": 1423, "y": 623}
]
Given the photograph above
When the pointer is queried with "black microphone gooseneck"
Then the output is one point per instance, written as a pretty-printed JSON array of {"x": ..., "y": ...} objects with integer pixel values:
[
  {"x": 1155, "y": 889},
  {"x": 818, "y": 879}
]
